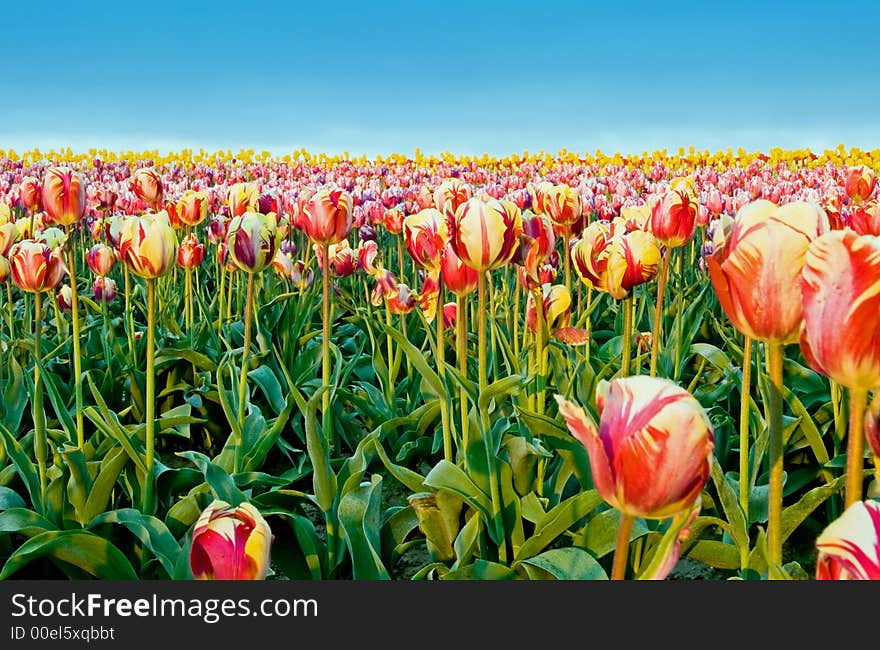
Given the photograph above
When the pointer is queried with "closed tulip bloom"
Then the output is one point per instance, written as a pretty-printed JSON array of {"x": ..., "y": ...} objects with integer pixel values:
[
  {"x": 401, "y": 301},
  {"x": 344, "y": 260},
  {"x": 429, "y": 295},
  {"x": 367, "y": 252},
  {"x": 301, "y": 277},
  {"x": 757, "y": 273},
  {"x": 252, "y": 240},
  {"x": 242, "y": 197},
  {"x": 148, "y": 245},
  {"x": 485, "y": 234},
  {"x": 859, "y": 183},
  {"x": 451, "y": 194},
  {"x": 674, "y": 218},
  {"x": 450, "y": 315},
  {"x": 840, "y": 336},
  {"x": 651, "y": 453},
  {"x": 35, "y": 266},
  {"x": 8, "y": 236},
  {"x": 561, "y": 203},
  {"x": 31, "y": 193},
  {"x": 282, "y": 264},
  {"x": 557, "y": 307},
  {"x": 393, "y": 220},
  {"x": 328, "y": 217},
  {"x": 633, "y": 259},
  {"x": 230, "y": 543},
  {"x": 426, "y": 235},
  {"x": 459, "y": 278},
  {"x": 192, "y": 209},
  {"x": 104, "y": 289},
  {"x": 268, "y": 202},
  {"x": 535, "y": 245},
  {"x": 64, "y": 195},
  {"x": 589, "y": 255},
  {"x": 849, "y": 547},
  {"x": 4, "y": 269},
  {"x": 65, "y": 298},
  {"x": 191, "y": 252},
  {"x": 52, "y": 237},
  {"x": 146, "y": 183},
  {"x": 715, "y": 202},
  {"x": 101, "y": 259},
  {"x": 865, "y": 218}
]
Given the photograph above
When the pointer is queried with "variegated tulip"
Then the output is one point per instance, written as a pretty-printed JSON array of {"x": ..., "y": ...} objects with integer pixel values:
[
  {"x": 230, "y": 543},
  {"x": 343, "y": 258},
  {"x": 53, "y": 237},
  {"x": 191, "y": 252},
  {"x": 426, "y": 235},
  {"x": 485, "y": 234},
  {"x": 865, "y": 218},
  {"x": 192, "y": 209},
  {"x": 101, "y": 259},
  {"x": 368, "y": 250},
  {"x": 393, "y": 220},
  {"x": 282, "y": 264},
  {"x": 146, "y": 183},
  {"x": 242, "y": 197},
  {"x": 268, "y": 202},
  {"x": 401, "y": 301},
  {"x": 148, "y": 245},
  {"x": 561, "y": 203},
  {"x": 64, "y": 195},
  {"x": 8, "y": 236},
  {"x": 859, "y": 183},
  {"x": 535, "y": 245},
  {"x": 301, "y": 277},
  {"x": 651, "y": 453},
  {"x": 632, "y": 259},
  {"x": 4, "y": 269},
  {"x": 104, "y": 289},
  {"x": 31, "y": 193},
  {"x": 65, "y": 298},
  {"x": 328, "y": 218},
  {"x": 556, "y": 315},
  {"x": 756, "y": 273},
  {"x": 35, "y": 266},
  {"x": 252, "y": 239},
  {"x": 589, "y": 254},
  {"x": 674, "y": 218},
  {"x": 451, "y": 194},
  {"x": 849, "y": 547},
  {"x": 459, "y": 278}
]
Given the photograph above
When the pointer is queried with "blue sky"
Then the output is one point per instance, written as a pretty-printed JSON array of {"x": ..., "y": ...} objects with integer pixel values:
[{"x": 392, "y": 76}]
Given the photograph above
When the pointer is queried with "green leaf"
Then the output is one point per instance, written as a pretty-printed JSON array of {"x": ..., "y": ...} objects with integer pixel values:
[
  {"x": 102, "y": 488},
  {"x": 84, "y": 550},
  {"x": 600, "y": 535},
  {"x": 23, "y": 522},
  {"x": 360, "y": 516},
  {"x": 558, "y": 520},
  {"x": 736, "y": 518},
  {"x": 149, "y": 530},
  {"x": 447, "y": 476},
  {"x": 417, "y": 359},
  {"x": 218, "y": 480},
  {"x": 23, "y": 466},
  {"x": 323, "y": 478},
  {"x": 482, "y": 570},
  {"x": 9, "y": 499},
  {"x": 716, "y": 554},
  {"x": 569, "y": 563}
]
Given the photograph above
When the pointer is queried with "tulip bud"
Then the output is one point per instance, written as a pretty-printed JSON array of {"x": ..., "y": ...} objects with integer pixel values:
[
  {"x": 147, "y": 186},
  {"x": 425, "y": 234},
  {"x": 192, "y": 208},
  {"x": 148, "y": 245},
  {"x": 191, "y": 252},
  {"x": 457, "y": 277},
  {"x": 849, "y": 547},
  {"x": 35, "y": 266},
  {"x": 104, "y": 289},
  {"x": 65, "y": 298},
  {"x": 31, "y": 194},
  {"x": 328, "y": 216},
  {"x": 100, "y": 259},
  {"x": 535, "y": 245},
  {"x": 651, "y": 453},
  {"x": 301, "y": 277},
  {"x": 64, "y": 196},
  {"x": 230, "y": 543},
  {"x": 252, "y": 240}
]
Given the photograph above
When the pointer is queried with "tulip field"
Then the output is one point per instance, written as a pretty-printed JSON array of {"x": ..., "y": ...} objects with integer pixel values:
[{"x": 542, "y": 366}]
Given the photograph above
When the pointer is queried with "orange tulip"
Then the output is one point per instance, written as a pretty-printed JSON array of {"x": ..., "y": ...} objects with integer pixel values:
[
  {"x": 865, "y": 218},
  {"x": 35, "y": 266},
  {"x": 191, "y": 252},
  {"x": 64, "y": 195},
  {"x": 756, "y": 273},
  {"x": 459, "y": 278},
  {"x": 674, "y": 218},
  {"x": 859, "y": 183},
  {"x": 31, "y": 193},
  {"x": 328, "y": 218},
  {"x": 485, "y": 234},
  {"x": 609, "y": 259},
  {"x": 100, "y": 259}
]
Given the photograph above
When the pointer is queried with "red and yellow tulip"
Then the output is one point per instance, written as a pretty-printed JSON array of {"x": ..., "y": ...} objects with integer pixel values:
[{"x": 230, "y": 543}]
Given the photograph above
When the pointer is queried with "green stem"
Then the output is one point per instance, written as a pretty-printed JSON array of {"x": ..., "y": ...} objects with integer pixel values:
[
  {"x": 658, "y": 311},
  {"x": 621, "y": 548},
  {"x": 461, "y": 343},
  {"x": 540, "y": 341},
  {"x": 627, "y": 337},
  {"x": 441, "y": 355},
  {"x": 222, "y": 273},
  {"x": 774, "y": 417},
  {"x": 679, "y": 321},
  {"x": 855, "y": 446},
  {"x": 146, "y": 506},
  {"x": 326, "y": 420},
  {"x": 242, "y": 378},
  {"x": 9, "y": 309},
  {"x": 389, "y": 342},
  {"x": 188, "y": 300},
  {"x": 515, "y": 324},
  {"x": 40, "y": 446},
  {"x": 77, "y": 351},
  {"x": 745, "y": 397},
  {"x": 129, "y": 320}
]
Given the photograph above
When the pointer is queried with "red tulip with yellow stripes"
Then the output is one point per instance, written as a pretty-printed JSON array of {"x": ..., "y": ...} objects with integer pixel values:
[
  {"x": 849, "y": 547},
  {"x": 328, "y": 218},
  {"x": 64, "y": 195},
  {"x": 192, "y": 209},
  {"x": 146, "y": 183},
  {"x": 485, "y": 234},
  {"x": 230, "y": 543},
  {"x": 426, "y": 235}
]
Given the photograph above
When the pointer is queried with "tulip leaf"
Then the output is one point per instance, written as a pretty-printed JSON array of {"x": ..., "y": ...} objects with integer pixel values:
[
  {"x": 794, "y": 515},
  {"x": 150, "y": 531},
  {"x": 715, "y": 554},
  {"x": 360, "y": 517},
  {"x": 570, "y": 563},
  {"x": 482, "y": 570},
  {"x": 80, "y": 483},
  {"x": 417, "y": 359},
  {"x": 729, "y": 503},
  {"x": 221, "y": 484},
  {"x": 9, "y": 499},
  {"x": 15, "y": 395},
  {"x": 23, "y": 522},
  {"x": 23, "y": 466},
  {"x": 99, "y": 496},
  {"x": 84, "y": 550},
  {"x": 558, "y": 520},
  {"x": 600, "y": 535},
  {"x": 447, "y": 476},
  {"x": 323, "y": 479}
]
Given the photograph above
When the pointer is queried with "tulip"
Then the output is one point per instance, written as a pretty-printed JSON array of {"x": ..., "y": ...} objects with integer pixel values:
[
  {"x": 104, "y": 289},
  {"x": 450, "y": 314},
  {"x": 301, "y": 277},
  {"x": 344, "y": 260},
  {"x": 230, "y": 543},
  {"x": 590, "y": 256},
  {"x": 52, "y": 237},
  {"x": 192, "y": 207},
  {"x": 393, "y": 220},
  {"x": 426, "y": 235},
  {"x": 450, "y": 195},
  {"x": 840, "y": 304},
  {"x": 367, "y": 252},
  {"x": 268, "y": 202},
  {"x": 673, "y": 218},
  {"x": 4, "y": 269},
  {"x": 756, "y": 275},
  {"x": 64, "y": 196},
  {"x": 651, "y": 453},
  {"x": 561, "y": 203},
  {"x": 252, "y": 239},
  {"x": 328, "y": 216},
  {"x": 849, "y": 547},
  {"x": 146, "y": 183},
  {"x": 64, "y": 298},
  {"x": 31, "y": 194},
  {"x": 485, "y": 234},
  {"x": 148, "y": 245},
  {"x": 191, "y": 252},
  {"x": 865, "y": 218},
  {"x": 536, "y": 243},
  {"x": 35, "y": 267},
  {"x": 282, "y": 264},
  {"x": 859, "y": 183},
  {"x": 8, "y": 236},
  {"x": 241, "y": 198},
  {"x": 401, "y": 301},
  {"x": 459, "y": 278},
  {"x": 101, "y": 259}
]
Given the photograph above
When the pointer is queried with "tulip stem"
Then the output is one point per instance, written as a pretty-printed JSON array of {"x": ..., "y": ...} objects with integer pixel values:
[
  {"x": 77, "y": 352},
  {"x": 566, "y": 236},
  {"x": 326, "y": 421},
  {"x": 514, "y": 328},
  {"x": 621, "y": 548},
  {"x": 461, "y": 335},
  {"x": 540, "y": 344},
  {"x": 242, "y": 379},
  {"x": 188, "y": 300},
  {"x": 497, "y": 521},
  {"x": 389, "y": 385},
  {"x": 855, "y": 446},
  {"x": 441, "y": 354},
  {"x": 774, "y": 417},
  {"x": 658, "y": 311},
  {"x": 146, "y": 506},
  {"x": 222, "y": 272},
  {"x": 40, "y": 451},
  {"x": 627, "y": 337},
  {"x": 129, "y": 321},
  {"x": 9, "y": 308},
  {"x": 745, "y": 394}
]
